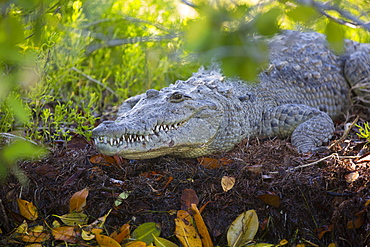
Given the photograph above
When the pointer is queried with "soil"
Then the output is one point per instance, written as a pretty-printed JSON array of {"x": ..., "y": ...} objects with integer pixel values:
[{"x": 319, "y": 191}]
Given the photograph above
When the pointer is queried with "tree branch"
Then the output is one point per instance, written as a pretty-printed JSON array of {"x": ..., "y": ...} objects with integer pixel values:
[{"x": 323, "y": 8}]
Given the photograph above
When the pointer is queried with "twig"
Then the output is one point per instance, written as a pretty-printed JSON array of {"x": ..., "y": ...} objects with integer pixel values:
[
  {"x": 312, "y": 163},
  {"x": 126, "y": 18},
  {"x": 346, "y": 132},
  {"x": 116, "y": 42},
  {"x": 5, "y": 217},
  {"x": 94, "y": 80},
  {"x": 8, "y": 135}
]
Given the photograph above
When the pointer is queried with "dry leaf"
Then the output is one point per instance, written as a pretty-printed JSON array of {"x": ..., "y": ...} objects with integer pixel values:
[
  {"x": 256, "y": 169},
  {"x": 78, "y": 201},
  {"x": 123, "y": 234},
  {"x": 105, "y": 241},
  {"x": 35, "y": 237},
  {"x": 243, "y": 229},
  {"x": 358, "y": 221},
  {"x": 332, "y": 245},
  {"x": 283, "y": 242},
  {"x": 227, "y": 183},
  {"x": 87, "y": 235},
  {"x": 22, "y": 228},
  {"x": 188, "y": 197},
  {"x": 202, "y": 228},
  {"x": 322, "y": 230},
  {"x": 65, "y": 233},
  {"x": 351, "y": 177},
  {"x": 270, "y": 198},
  {"x": 210, "y": 163},
  {"x": 367, "y": 203},
  {"x": 102, "y": 159},
  {"x": 27, "y": 209}
]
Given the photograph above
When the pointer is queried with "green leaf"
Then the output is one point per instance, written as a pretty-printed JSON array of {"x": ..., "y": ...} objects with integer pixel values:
[
  {"x": 335, "y": 36},
  {"x": 21, "y": 149},
  {"x": 121, "y": 197},
  {"x": 302, "y": 14},
  {"x": 73, "y": 219},
  {"x": 146, "y": 231},
  {"x": 162, "y": 242},
  {"x": 267, "y": 23}
]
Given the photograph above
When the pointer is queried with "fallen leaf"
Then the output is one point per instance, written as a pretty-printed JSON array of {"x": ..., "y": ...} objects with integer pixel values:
[
  {"x": 283, "y": 242},
  {"x": 35, "y": 237},
  {"x": 243, "y": 229},
  {"x": 332, "y": 245},
  {"x": 261, "y": 245},
  {"x": 358, "y": 221},
  {"x": 322, "y": 230},
  {"x": 162, "y": 242},
  {"x": 270, "y": 198},
  {"x": 256, "y": 169},
  {"x": 210, "y": 163},
  {"x": 351, "y": 177},
  {"x": 187, "y": 234},
  {"x": 102, "y": 159},
  {"x": 121, "y": 197},
  {"x": 144, "y": 232},
  {"x": 27, "y": 209},
  {"x": 73, "y": 219},
  {"x": 87, "y": 234},
  {"x": 65, "y": 233},
  {"x": 136, "y": 244},
  {"x": 78, "y": 201},
  {"x": 188, "y": 197},
  {"x": 367, "y": 203},
  {"x": 105, "y": 241},
  {"x": 22, "y": 228},
  {"x": 202, "y": 228},
  {"x": 227, "y": 183},
  {"x": 33, "y": 245},
  {"x": 123, "y": 234}
]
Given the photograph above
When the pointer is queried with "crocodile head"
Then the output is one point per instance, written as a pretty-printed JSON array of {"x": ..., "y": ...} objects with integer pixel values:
[{"x": 180, "y": 120}]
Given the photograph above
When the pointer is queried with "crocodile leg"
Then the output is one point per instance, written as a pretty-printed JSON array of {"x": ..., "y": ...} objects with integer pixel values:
[
  {"x": 309, "y": 126},
  {"x": 357, "y": 72}
]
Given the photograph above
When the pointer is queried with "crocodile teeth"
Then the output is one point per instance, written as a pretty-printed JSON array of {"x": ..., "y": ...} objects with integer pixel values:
[{"x": 134, "y": 138}]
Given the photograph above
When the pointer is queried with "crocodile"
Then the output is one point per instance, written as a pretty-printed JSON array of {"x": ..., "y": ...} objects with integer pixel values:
[{"x": 304, "y": 88}]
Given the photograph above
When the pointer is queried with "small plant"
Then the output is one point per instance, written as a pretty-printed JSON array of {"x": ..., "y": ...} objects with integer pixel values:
[{"x": 364, "y": 131}]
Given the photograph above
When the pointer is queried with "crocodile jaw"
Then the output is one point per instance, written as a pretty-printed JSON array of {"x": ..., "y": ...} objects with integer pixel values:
[{"x": 177, "y": 139}]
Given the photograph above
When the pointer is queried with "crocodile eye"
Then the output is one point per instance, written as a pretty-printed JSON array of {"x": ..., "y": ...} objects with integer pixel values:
[{"x": 178, "y": 97}]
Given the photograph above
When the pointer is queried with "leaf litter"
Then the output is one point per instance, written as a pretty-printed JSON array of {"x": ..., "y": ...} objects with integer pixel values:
[{"x": 297, "y": 204}]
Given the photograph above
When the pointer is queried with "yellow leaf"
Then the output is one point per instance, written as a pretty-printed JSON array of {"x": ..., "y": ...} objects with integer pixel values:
[
  {"x": 243, "y": 229},
  {"x": 22, "y": 228},
  {"x": 187, "y": 234},
  {"x": 65, "y": 233},
  {"x": 33, "y": 245},
  {"x": 105, "y": 241},
  {"x": 332, "y": 245},
  {"x": 87, "y": 235},
  {"x": 201, "y": 226},
  {"x": 283, "y": 242},
  {"x": 136, "y": 244},
  {"x": 227, "y": 183},
  {"x": 73, "y": 219},
  {"x": 78, "y": 201},
  {"x": 27, "y": 209},
  {"x": 300, "y": 245},
  {"x": 162, "y": 242},
  {"x": 261, "y": 245},
  {"x": 37, "y": 228},
  {"x": 367, "y": 203}
]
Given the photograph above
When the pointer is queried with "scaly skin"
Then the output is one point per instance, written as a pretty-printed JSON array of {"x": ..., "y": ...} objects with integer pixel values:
[{"x": 304, "y": 87}]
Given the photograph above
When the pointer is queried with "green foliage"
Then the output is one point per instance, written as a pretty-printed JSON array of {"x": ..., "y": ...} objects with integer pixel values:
[{"x": 364, "y": 131}]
